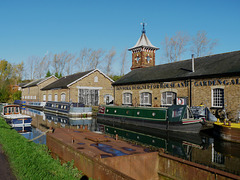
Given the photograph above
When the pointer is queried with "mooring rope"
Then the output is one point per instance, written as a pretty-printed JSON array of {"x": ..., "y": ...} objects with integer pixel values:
[{"x": 40, "y": 135}]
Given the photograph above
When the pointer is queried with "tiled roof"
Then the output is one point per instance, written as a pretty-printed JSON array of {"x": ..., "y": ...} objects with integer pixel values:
[
  {"x": 215, "y": 66},
  {"x": 33, "y": 83},
  {"x": 63, "y": 82}
]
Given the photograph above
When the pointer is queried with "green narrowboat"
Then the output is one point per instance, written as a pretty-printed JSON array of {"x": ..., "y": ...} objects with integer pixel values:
[{"x": 176, "y": 118}]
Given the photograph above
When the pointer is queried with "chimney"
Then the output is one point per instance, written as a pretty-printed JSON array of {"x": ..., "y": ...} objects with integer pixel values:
[{"x": 193, "y": 70}]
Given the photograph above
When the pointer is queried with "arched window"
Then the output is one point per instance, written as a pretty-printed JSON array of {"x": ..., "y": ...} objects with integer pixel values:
[
  {"x": 44, "y": 98},
  {"x": 50, "y": 97},
  {"x": 95, "y": 79},
  {"x": 55, "y": 97},
  {"x": 63, "y": 97},
  {"x": 146, "y": 99},
  {"x": 108, "y": 99},
  {"x": 168, "y": 98},
  {"x": 218, "y": 97},
  {"x": 127, "y": 99}
]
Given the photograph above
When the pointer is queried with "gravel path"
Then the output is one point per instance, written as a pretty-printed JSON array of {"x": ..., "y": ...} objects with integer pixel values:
[{"x": 5, "y": 170}]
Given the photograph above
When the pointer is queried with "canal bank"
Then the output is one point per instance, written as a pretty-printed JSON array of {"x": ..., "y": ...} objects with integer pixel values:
[
  {"x": 5, "y": 169},
  {"x": 102, "y": 157},
  {"x": 32, "y": 161}
]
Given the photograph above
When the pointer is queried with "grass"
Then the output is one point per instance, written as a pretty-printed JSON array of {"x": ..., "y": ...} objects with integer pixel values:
[{"x": 32, "y": 161}]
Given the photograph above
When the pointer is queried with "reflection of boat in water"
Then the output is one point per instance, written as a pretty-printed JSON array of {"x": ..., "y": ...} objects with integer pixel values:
[
  {"x": 177, "y": 118},
  {"x": 227, "y": 131},
  {"x": 23, "y": 129},
  {"x": 178, "y": 147},
  {"x": 70, "y": 109},
  {"x": 66, "y": 120},
  {"x": 12, "y": 115}
]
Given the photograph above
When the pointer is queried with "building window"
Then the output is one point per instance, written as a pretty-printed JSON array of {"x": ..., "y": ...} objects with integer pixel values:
[
  {"x": 95, "y": 79},
  {"x": 138, "y": 58},
  {"x": 50, "y": 97},
  {"x": 88, "y": 97},
  {"x": 168, "y": 98},
  {"x": 44, "y": 98},
  {"x": 148, "y": 58},
  {"x": 55, "y": 97},
  {"x": 63, "y": 97},
  {"x": 108, "y": 99},
  {"x": 127, "y": 99},
  {"x": 146, "y": 99},
  {"x": 218, "y": 97}
]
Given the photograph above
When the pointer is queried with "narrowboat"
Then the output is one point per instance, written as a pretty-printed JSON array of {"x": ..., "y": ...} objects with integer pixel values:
[
  {"x": 12, "y": 115},
  {"x": 70, "y": 109},
  {"x": 228, "y": 131},
  {"x": 177, "y": 118}
]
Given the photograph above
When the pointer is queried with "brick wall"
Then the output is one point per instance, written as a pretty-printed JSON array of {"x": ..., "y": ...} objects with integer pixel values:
[{"x": 201, "y": 92}]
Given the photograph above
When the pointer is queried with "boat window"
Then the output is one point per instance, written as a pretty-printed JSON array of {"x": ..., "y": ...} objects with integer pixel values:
[
  {"x": 12, "y": 109},
  {"x": 177, "y": 112},
  {"x": 17, "y": 109},
  {"x": 5, "y": 110}
]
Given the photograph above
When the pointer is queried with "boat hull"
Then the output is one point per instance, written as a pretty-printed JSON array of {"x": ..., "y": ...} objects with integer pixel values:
[
  {"x": 159, "y": 125},
  {"x": 227, "y": 132}
]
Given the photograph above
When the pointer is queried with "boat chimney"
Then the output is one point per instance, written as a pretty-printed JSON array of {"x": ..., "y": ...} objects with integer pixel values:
[{"x": 193, "y": 70}]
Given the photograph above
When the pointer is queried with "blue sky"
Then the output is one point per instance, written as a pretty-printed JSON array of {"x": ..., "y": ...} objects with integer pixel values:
[{"x": 35, "y": 27}]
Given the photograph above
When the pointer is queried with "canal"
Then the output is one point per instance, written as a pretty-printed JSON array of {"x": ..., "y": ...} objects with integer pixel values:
[{"x": 200, "y": 148}]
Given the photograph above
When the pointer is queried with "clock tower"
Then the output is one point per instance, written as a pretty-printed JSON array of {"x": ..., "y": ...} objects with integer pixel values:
[{"x": 143, "y": 53}]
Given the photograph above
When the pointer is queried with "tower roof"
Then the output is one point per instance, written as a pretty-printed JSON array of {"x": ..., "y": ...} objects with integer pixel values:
[{"x": 143, "y": 41}]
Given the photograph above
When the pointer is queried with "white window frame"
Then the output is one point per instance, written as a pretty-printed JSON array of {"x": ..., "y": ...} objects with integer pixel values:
[
  {"x": 50, "y": 97},
  {"x": 169, "y": 96},
  {"x": 44, "y": 98},
  {"x": 63, "y": 97},
  {"x": 127, "y": 98},
  {"x": 95, "y": 79},
  {"x": 145, "y": 99},
  {"x": 218, "y": 97},
  {"x": 55, "y": 97}
]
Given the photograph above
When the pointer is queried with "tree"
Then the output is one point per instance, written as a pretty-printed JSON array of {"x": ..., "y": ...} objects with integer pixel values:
[
  {"x": 124, "y": 57},
  {"x": 48, "y": 74},
  {"x": 201, "y": 45},
  {"x": 83, "y": 60},
  {"x": 58, "y": 75},
  {"x": 109, "y": 60},
  {"x": 175, "y": 46}
]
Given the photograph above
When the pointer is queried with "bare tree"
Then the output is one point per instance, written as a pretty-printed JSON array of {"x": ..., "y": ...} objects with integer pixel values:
[
  {"x": 175, "y": 46},
  {"x": 30, "y": 66},
  {"x": 83, "y": 61},
  {"x": 201, "y": 45},
  {"x": 109, "y": 60},
  {"x": 96, "y": 56},
  {"x": 124, "y": 57}
]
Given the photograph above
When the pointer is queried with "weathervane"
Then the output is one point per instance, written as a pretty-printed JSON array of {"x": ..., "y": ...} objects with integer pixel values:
[{"x": 143, "y": 24}]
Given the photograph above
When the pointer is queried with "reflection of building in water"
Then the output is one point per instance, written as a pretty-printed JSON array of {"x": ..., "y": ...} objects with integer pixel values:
[{"x": 213, "y": 158}]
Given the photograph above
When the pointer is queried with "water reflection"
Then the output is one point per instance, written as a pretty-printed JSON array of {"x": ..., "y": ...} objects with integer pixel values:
[{"x": 200, "y": 148}]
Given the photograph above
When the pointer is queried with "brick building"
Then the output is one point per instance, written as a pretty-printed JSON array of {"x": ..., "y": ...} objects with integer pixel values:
[
  {"x": 213, "y": 81},
  {"x": 90, "y": 88},
  {"x": 32, "y": 90}
]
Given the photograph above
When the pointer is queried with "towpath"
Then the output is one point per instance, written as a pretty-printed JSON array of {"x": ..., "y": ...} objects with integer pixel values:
[{"x": 5, "y": 170}]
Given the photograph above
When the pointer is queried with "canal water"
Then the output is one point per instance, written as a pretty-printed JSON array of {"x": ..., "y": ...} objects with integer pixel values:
[{"x": 201, "y": 148}]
